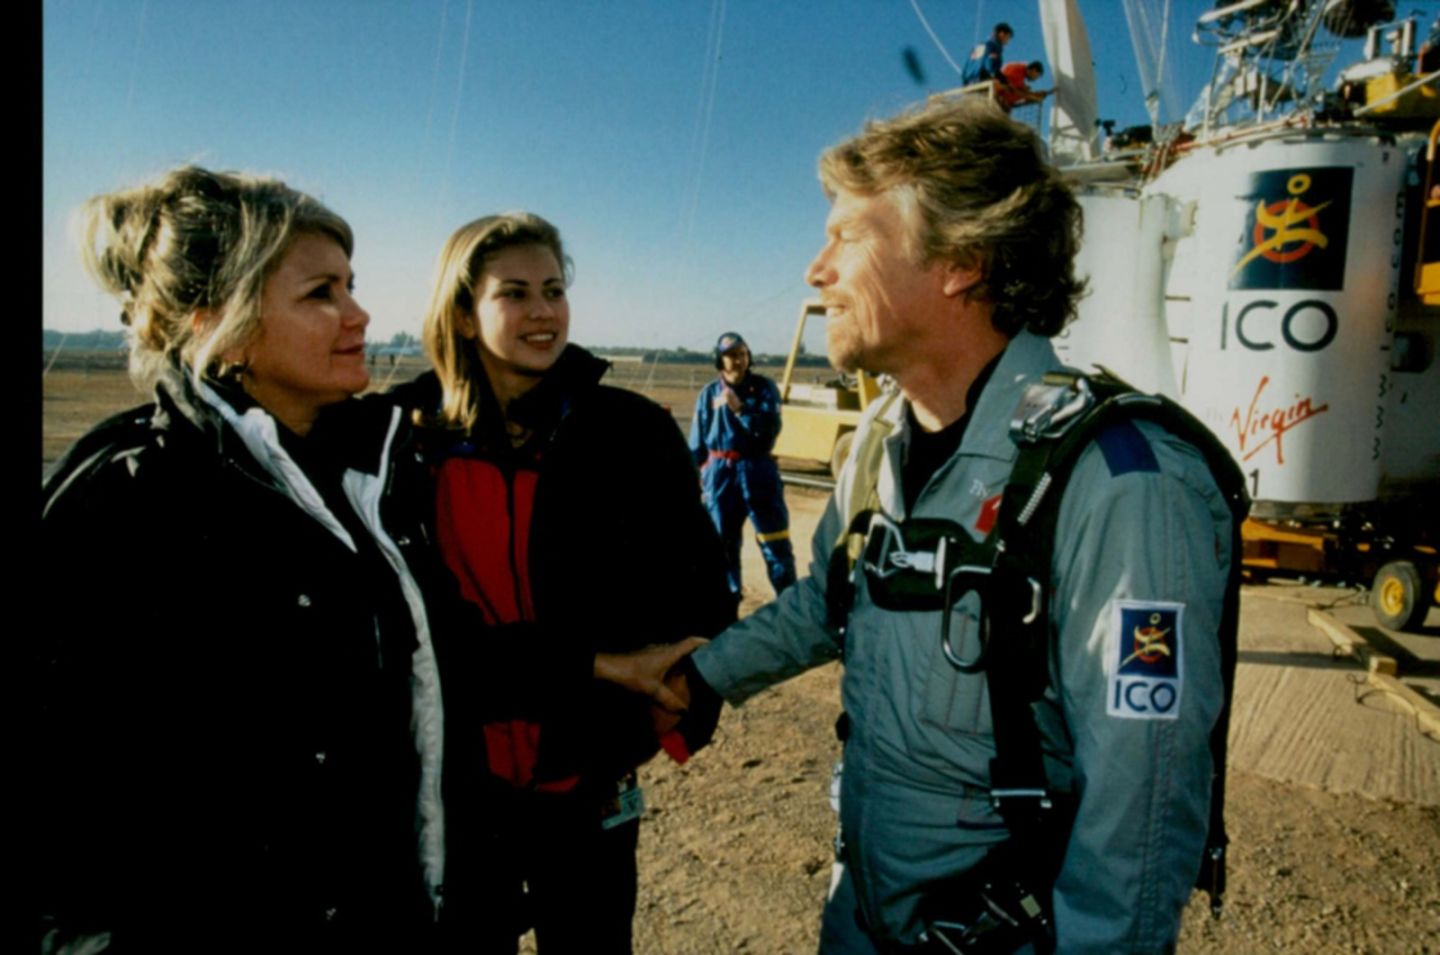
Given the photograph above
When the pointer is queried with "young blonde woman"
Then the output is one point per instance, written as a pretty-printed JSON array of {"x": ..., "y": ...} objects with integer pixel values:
[
  {"x": 568, "y": 513},
  {"x": 241, "y": 723}
]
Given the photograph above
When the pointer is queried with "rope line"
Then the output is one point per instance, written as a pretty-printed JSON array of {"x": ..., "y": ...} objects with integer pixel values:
[
  {"x": 455, "y": 111},
  {"x": 434, "y": 88},
  {"x": 55, "y": 355},
  {"x": 134, "y": 68},
  {"x": 700, "y": 138},
  {"x": 915, "y": 5}
]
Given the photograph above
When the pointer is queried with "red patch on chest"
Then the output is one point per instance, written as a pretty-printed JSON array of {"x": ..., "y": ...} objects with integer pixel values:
[{"x": 989, "y": 511}]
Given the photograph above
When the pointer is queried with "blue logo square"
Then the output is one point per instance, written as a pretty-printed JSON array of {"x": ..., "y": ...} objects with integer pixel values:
[{"x": 1149, "y": 641}]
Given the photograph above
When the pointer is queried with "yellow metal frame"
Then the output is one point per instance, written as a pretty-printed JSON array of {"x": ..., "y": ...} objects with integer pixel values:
[
  {"x": 1267, "y": 547},
  {"x": 1427, "y": 274},
  {"x": 1402, "y": 96},
  {"x": 810, "y": 433}
]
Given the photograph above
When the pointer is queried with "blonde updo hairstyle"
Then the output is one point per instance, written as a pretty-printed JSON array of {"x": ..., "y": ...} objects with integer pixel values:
[
  {"x": 188, "y": 257},
  {"x": 455, "y": 356}
]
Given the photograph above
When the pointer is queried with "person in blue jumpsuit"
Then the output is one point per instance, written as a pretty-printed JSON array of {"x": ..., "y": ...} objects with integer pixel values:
[
  {"x": 985, "y": 60},
  {"x": 737, "y": 418},
  {"x": 948, "y": 264}
]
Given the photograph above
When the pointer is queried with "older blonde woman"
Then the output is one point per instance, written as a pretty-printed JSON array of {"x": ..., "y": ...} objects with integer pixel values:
[
  {"x": 241, "y": 706},
  {"x": 569, "y": 515}
]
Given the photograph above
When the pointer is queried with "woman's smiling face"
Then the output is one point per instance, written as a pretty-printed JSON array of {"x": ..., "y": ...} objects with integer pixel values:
[{"x": 522, "y": 318}]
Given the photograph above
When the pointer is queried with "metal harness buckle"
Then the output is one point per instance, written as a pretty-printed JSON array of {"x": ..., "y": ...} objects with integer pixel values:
[
  {"x": 981, "y": 575},
  {"x": 1049, "y": 408},
  {"x": 999, "y": 796}
]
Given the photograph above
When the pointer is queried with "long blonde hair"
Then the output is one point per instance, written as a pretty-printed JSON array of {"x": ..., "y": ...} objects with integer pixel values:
[
  {"x": 195, "y": 241},
  {"x": 462, "y": 262}
]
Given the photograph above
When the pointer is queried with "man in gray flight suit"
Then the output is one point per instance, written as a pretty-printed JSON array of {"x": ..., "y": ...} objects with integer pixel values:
[{"x": 947, "y": 265}]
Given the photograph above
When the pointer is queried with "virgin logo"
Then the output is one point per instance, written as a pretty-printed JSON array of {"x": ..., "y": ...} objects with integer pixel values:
[{"x": 1263, "y": 426}]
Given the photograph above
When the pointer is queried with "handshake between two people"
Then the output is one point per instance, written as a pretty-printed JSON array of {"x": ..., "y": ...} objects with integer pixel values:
[{"x": 682, "y": 723}]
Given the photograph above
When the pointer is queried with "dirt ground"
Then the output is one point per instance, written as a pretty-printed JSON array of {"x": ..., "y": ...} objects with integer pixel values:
[
  {"x": 735, "y": 853},
  {"x": 1335, "y": 832}
]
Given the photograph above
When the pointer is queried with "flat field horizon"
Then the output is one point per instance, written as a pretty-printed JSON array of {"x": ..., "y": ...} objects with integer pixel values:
[{"x": 83, "y": 388}]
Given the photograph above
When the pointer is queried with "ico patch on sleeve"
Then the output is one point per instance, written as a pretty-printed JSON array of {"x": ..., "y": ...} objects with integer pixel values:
[{"x": 1146, "y": 676}]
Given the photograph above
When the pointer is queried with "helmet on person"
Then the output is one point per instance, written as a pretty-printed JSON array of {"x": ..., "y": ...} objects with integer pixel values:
[{"x": 728, "y": 342}]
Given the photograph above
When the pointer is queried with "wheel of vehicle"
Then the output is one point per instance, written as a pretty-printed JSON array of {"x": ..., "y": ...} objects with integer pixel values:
[
  {"x": 1396, "y": 596},
  {"x": 841, "y": 452}
]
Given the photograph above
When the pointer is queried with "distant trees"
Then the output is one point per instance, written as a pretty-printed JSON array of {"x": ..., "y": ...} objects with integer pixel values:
[
  {"x": 82, "y": 341},
  {"x": 401, "y": 343}
]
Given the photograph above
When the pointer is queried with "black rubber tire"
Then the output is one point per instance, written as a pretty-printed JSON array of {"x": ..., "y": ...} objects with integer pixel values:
[
  {"x": 1397, "y": 596},
  {"x": 840, "y": 453}
]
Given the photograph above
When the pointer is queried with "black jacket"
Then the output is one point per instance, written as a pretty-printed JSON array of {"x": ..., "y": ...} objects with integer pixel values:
[
  {"x": 229, "y": 763},
  {"x": 622, "y": 555}
]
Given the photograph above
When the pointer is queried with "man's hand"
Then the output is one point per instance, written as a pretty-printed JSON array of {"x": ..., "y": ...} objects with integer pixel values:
[
  {"x": 647, "y": 672},
  {"x": 727, "y": 398}
]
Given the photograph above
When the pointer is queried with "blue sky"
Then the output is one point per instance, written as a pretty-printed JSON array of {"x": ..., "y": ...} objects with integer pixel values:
[{"x": 672, "y": 141}]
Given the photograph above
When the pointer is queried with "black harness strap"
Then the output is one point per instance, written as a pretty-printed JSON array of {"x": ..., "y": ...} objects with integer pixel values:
[{"x": 1018, "y": 671}]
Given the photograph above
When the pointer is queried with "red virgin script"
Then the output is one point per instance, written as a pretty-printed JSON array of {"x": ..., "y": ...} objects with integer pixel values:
[{"x": 1262, "y": 426}]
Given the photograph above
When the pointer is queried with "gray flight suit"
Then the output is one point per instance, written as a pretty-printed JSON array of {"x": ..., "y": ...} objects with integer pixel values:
[{"x": 1143, "y": 534}]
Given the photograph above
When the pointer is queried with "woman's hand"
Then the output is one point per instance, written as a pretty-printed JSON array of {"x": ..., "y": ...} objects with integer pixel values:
[{"x": 645, "y": 672}]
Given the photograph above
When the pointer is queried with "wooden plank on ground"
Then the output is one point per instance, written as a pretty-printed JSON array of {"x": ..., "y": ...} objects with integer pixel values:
[
  {"x": 1427, "y": 714},
  {"x": 1351, "y": 644}
]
